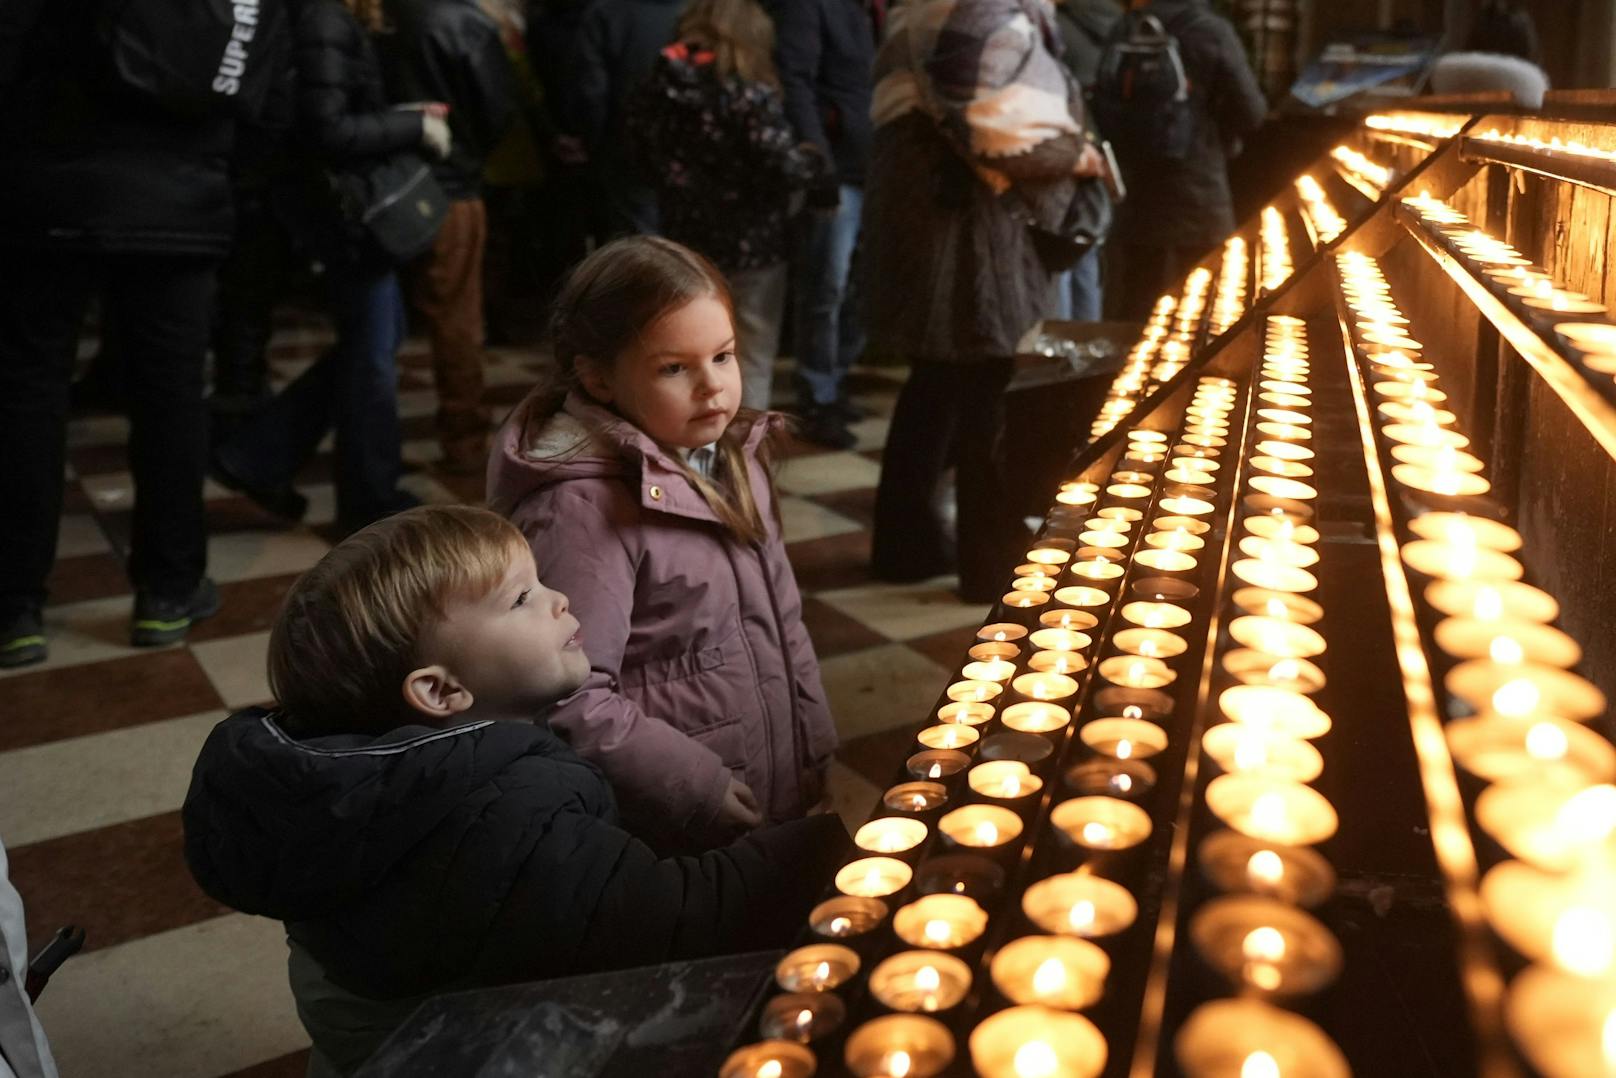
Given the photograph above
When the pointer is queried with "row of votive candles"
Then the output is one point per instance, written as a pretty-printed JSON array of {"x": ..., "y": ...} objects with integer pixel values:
[
  {"x": 1276, "y": 266},
  {"x": 1318, "y": 209},
  {"x": 1260, "y": 937},
  {"x": 1501, "y": 263},
  {"x": 1361, "y": 167},
  {"x": 1161, "y": 351},
  {"x": 1229, "y": 301},
  {"x": 1413, "y": 123},
  {"x": 1549, "y": 802},
  {"x": 1046, "y": 977},
  {"x": 1552, "y": 144}
]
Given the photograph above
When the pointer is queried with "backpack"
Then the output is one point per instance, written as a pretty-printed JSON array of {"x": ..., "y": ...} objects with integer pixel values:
[
  {"x": 1142, "y": 92},
  {"x": 199, "y": 58}
]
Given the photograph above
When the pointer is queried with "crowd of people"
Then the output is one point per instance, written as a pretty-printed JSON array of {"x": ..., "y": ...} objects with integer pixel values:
[{"x": 680, "y": 171}]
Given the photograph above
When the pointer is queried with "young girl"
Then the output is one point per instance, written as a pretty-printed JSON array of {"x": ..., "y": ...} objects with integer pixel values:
[{"x": 643, "y": 488}]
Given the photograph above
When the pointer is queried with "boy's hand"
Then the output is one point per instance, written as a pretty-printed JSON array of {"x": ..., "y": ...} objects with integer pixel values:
[{"x": 740, "y": 807}]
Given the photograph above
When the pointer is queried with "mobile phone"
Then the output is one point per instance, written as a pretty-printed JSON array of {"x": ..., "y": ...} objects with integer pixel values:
[{"x": 1113, "y": 173}]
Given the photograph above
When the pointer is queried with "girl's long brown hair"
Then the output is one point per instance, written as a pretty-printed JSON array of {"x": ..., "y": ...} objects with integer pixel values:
[
  {"x": 608, "y": 301},
  {"x": 369, "y": 13},
  {"x": 739, "y": 33}
]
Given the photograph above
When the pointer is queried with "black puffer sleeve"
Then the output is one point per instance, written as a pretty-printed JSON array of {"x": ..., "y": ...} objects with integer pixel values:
[{"x": 336, "y": 66}]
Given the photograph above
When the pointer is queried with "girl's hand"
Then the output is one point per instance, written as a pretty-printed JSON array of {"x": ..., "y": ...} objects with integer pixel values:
[
  {"x": 1089, "y": 163},
  {"x": 740, "y": 807}
]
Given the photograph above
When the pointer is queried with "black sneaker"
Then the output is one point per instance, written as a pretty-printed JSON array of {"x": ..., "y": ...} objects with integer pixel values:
[
  {"x": 282, "y": 501},
  {"x": 22, "y": 639},
  {"x": 823, "y": 426},
  {"x": 159, "y": 621}
]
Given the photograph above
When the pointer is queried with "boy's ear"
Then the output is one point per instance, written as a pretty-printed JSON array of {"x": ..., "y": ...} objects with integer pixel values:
[
  {"x": 434, "y": 692},
  {"x": 593, "y": 379}
]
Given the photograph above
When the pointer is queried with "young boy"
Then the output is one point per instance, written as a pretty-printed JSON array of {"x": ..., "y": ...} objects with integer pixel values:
[{"x": 416, "y": 828}]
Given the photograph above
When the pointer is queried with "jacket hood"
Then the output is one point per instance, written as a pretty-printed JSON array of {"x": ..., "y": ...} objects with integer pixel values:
[
  {"x": 540, "y": 446},
  {"x": 292, "y": 829}
]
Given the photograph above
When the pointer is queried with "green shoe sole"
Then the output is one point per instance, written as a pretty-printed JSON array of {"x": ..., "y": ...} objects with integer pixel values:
[{"x": 23, "y": 651}]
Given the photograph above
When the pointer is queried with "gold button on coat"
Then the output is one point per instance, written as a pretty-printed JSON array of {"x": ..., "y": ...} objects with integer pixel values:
[{"x": 656, "y": 494}]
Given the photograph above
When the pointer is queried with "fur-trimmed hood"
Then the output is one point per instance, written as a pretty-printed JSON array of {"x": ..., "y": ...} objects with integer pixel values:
[{"x": 540, "y": 446}]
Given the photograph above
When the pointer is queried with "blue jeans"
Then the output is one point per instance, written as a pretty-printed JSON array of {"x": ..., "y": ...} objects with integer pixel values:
[
  {"x": 1080, "y": 289},
  {"x": 829, "y": 335},
  {"x": 353, "y": 387}
]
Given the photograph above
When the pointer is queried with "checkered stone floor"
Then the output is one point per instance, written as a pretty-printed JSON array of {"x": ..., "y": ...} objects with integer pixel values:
[{"x": 97, "y": 744}]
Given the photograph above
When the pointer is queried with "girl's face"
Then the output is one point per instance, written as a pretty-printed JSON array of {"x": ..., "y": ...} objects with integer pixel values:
[{"x": 680, "y": 381}]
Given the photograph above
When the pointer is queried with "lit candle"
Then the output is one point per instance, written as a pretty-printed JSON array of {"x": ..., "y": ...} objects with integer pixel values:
[
  {"x": 1553, "y": 825},
  {"x": 1271, "y": 809},
  {"x": 1189, "y": 525},
  {"x": 1101, "y": 823},
  {"x": 1060, "y": 640},
  {"x": 915, "y": 796},
  {"x": 1166, "y": 561},
  {"x": 1124, "y": 738},
  {"x": 891, "y": 834},
  {"x": 1548, "y": 748},
  {"x": 1045, "y": 686},
  {"x": 1258, "y": 668},
  {"x": 872, "y": 877},
  {"x": 937, "y": 764},
  {"x": 1507, "y": 641},
  {"x": 994, "y": 669},
  {"x": 926, "y": 981},
  {"x": 1004, "y": 780},
  {"x": 1137, "y": 671},
  {"x": 1238, "y": 747},
  {"x": 994, "y": 649},
  {"x": 1279, "y": 551},
  {"x": 1564, "y": 1024},
  {"x": 1153, "y": 643},
  {"x": 1277, "y": 637},
  {"x": 981, "y": 827},
  {"x": 1246, "y": 1038},
  {"x": 1068, "y": 619},
  {"x": 974, "y": 691},
  {"x": 1074, "y": 904},
  {"x": 948, "y": 736},
  {"x": 1036, "y": 717},
  {"x": 1177, "y": 539},
  {"x": 1034, "y": 1041},
  {"x": 1566, "y": 920},
  {"x": 1056, "y": 971},
  {"x": 1001, "y": 630},
  {"x": 1033, "y": 583},
  {"x": 1130, "y": 779},
  {"x": 1021, "y": 600},
  {"x": 802, "y": 1016},
  {"x": 1278, "y": 604},
  {"x": 769, "y": 1059},
  {"x": 1518, "y": 689},
  {"x": 1265, "y": 944},
  {"x": 845, "y": 916},
  {"x": 1492, "y": 600},
  {"x": 1096, "y": 568},
  {"x": 1294, "y": 874},
  {"x": 1049, "y": 555},
  {"x": 900, "y": 1046},
  {"x": 1082, "y": 596},
  {"x": 1274, "y": 577},
  {"x": 818, "y": 967},
  {"x": 1057, "y": 662}
]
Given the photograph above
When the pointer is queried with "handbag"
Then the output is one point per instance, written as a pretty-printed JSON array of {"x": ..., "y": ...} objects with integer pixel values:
[
  {"x": 392, "y": 206},
  {"x": 1083, "y": 227}
]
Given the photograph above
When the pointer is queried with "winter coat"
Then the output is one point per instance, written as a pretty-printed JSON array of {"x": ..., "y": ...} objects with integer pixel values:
[
  {"x": 449, "y": 51},
  {"x": 24, "y": 1052},
  {"x": 700, "y": 666},
  {"x": 825, "y": 50},
  {"x": 726, "y": 160},
  {"x": 91, "y": 165},
  {"x": 978, "y": 128},
  {"x": 1084, "y": 27},
  {"x": 1187, "y": 203},
  {"x": 617, "y": 45},
  {"x": 429, "y": 860}
]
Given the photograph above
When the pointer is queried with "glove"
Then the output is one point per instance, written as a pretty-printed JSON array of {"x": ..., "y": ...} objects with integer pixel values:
[{"x": 435, "y": 135}]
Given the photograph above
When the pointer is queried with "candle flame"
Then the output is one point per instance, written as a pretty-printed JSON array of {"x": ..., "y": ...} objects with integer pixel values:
[
  {"x": 1489, "y": 604},
  {"x": 1259, "y": 1065},
  {"x": 1506, "y": 649},
  {"x": 821, "y": 973},
  {"x": 986, "y": 834},
  {"x": 934, "y": 770},
  {"x": 1274, "y": 608},
  {"x": 1049, "y": 978},
  {"x": 1583, "y": 943},
  {"x": 1263, "y": 944},
  {"x": 840, "y": 926},
  {"x": 1081, "y": 916},
  {"x": 999, "y": 635},
  {"x": 1268, "y": 812},
  {"x": 1588, "y": 817},
  {"x": 1608, "y": 1039},
  {"x": 1250, "y": 753},
  {"x": 1066, "y": 621},
  {"x": 1546, "y": 741},
  {"x": 872, "y": 884},
  {"x": 805, "y": 1020},
  {"x": 770, "y": 1068},
  {"x": 1096, "y": 833},
  {"x": 1036, "y": 1059},
  {"x": 1124, "y": 783},
  {"x": 898, "y": 1064},
  {"x": 927, "y": 979},
  {"x": 1124, "y": 749},
  {"x": 936, "y": 931},
  {"x": 1265, "y": 868},
  {"x": 918, "y": 801},
  {"x": 1011, "y": 786},
  {"x": 1133, "y": 711},
  {"x": 1516, "y": 698}
]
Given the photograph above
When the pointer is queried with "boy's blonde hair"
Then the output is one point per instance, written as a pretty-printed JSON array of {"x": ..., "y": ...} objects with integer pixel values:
[{"x": 351, "y": 627}]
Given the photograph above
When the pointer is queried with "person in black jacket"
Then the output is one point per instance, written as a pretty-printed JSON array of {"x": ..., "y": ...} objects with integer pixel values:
[
  {"x": 409, "y": 815},
  {"x": 450, "y": 51},
  {"x": 343, "y": 122},
  {"x": 1177, "y": 210},
  {"x": 103, "y": 192},
  {"x": 826, "y": 53}
]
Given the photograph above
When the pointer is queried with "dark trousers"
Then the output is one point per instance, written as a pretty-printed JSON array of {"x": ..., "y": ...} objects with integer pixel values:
[
  {"x": 250, "y": 281},
  {"x": 354, "y": 387},
  {"x": 947, "y": 413},
  {"x": 161, "y": 305}
]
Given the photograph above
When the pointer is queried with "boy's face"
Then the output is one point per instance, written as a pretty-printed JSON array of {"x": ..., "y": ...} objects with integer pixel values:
[{"x": 515, "y": 650}]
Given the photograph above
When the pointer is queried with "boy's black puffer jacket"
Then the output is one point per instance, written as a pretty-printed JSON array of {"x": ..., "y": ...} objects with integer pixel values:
[{"x": 427, "y": 860}]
